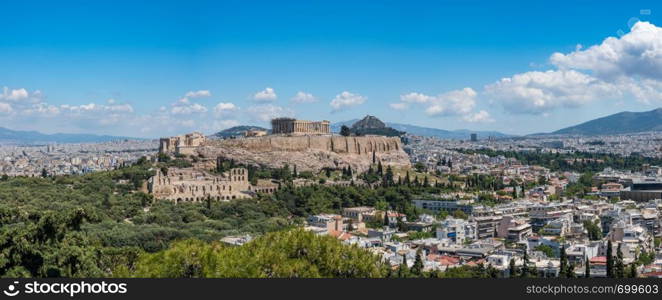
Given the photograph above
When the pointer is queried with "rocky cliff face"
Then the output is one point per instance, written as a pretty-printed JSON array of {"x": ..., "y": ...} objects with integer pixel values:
[{"x": 310, "y": 152}]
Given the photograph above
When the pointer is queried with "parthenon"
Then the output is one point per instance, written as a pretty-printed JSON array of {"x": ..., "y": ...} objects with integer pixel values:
[{"x": 299, "y": 127}]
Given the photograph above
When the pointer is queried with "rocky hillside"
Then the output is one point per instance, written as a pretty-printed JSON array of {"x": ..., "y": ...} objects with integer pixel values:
[
  {"x": 371, "y": 125},
  {"x": 310, "y": 152}
]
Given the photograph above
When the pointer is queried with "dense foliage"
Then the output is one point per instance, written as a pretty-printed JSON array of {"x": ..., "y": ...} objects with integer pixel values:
[{"x": 293, "y": 253}]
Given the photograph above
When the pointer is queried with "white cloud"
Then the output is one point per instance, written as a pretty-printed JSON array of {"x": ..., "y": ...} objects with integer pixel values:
[
  {"x": 453, "y": 103},
  {"x": 539, "y": 92},
  {"x": 13, "y": 95},
  {"x": 479, "y": 117},
  {"x": 188, "y": 109},
  {"x": 267, "y": 112},
  {"x": 184, "y": 106},
  {"x": 399, "y": 106},
  {"x": 93, "y": 107},
  {"x": 302, "y": 97},
  {"x": 266, "y": 95},
  {"x": 416, "y": 98},
  {"x": 5, "y": 108},
  {"x": 198, "y": 94},
  {"x": 43, "y": 109},
  {"x": 459, "y": 103},
  {"x": 637, "y": 53},
  {"x": 346, "y": 100},
  {"x": 223, "y": 108}
]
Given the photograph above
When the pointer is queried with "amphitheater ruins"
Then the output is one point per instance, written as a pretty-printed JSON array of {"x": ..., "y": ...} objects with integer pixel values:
[{"x": 191, "y": 185}]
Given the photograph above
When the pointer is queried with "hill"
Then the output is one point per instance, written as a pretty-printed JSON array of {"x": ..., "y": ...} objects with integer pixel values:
[
  {"x": 371, "y": 125},
  {"x": 9, "y": 136},
  {"x": 236, "y": 131},
  {"x": 623, "y": 122},
  {"x": 460, "y": 134}
]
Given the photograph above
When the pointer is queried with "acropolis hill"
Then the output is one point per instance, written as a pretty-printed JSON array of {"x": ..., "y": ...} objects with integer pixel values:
[{"x": 309, "y": 151}]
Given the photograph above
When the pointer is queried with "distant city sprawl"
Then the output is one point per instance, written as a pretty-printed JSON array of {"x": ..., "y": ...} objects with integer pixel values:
[{"x": 70, "y": 159}]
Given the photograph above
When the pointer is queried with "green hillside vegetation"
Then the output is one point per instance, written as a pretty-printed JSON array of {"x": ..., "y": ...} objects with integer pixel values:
[
  {"x": 103, "y": 224},
  {"x": 293, "y": 253}
]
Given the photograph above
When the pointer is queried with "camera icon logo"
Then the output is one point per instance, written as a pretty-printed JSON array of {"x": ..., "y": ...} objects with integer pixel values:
[{"x": 12, "y": 290}]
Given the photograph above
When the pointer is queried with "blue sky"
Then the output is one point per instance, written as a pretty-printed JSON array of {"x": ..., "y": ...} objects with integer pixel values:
[{"x": 126, "y": 67}]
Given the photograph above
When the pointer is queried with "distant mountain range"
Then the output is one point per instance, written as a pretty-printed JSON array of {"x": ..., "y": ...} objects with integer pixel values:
[
  {"x": 623, "y": 122},
  {"x": 460, "y": 134},
  {"x": 8, "y": 136}
]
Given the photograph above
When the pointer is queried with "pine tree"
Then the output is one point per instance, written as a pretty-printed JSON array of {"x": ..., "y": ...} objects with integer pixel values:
[
  {"x": 386, "y": 221},
  {"x": 525, "y": 267},
  {"x": 403, "y": 271},
  {"x": 570, "y": 272},
  {"x": 374, "y": 158},
  {"x": 620, "y": 266},
  {"x": 389, "y": 176},
  {"x": 633, "y": 271},
  {"x": 512, "y": 268},
  {"x": 587, "y": 271},
  {"x": 380, "y": 169},
  {"x": 563, "y": 266},
  {"x": 426, "y": 181},
  {"x": 610, "y": 261},
  {"x": 417, "y": 268},
  {"x": 407, "y": 181}
]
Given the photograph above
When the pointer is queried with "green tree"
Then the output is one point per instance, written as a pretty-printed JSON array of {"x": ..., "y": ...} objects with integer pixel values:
[
  {"x": 524, "y": 272},
  {"x": 563, "y": 265},
  {"x": 570, "y": 271},
  {"x": 417, "y": 268},
  {"x": 345, "y": 131},
  {"x": 619, "y": 265},
  {"x": 512, "y": 268},
  {"x": 403, "y": 270},
  {"x": 549, "y": 252},
  {"x": 293, "y": 253},
  {"x": 587, "y": 270},
  {"x": 633, "y": 271},
  {"x": 460, "y": 214},
  {"x": 610, "y": 261}
]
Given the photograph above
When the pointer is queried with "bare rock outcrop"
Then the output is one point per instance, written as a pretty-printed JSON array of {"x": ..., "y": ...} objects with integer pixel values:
[{"x": 311, "y": 153}]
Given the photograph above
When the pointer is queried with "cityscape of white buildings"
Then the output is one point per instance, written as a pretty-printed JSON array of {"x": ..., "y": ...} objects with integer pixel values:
[{"x": 63, "y": 159}]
